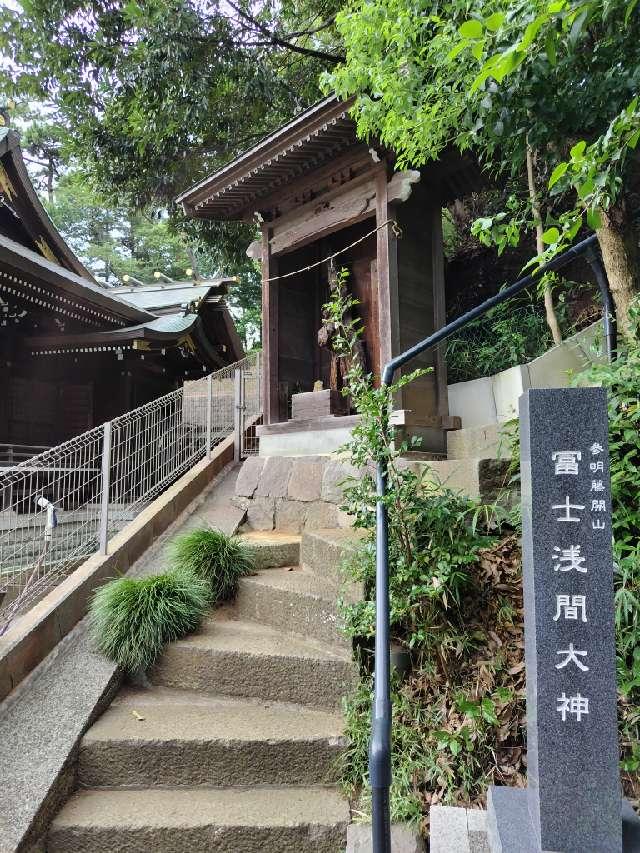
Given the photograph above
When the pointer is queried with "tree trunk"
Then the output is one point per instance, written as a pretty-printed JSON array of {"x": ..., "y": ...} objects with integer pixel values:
[
  {"x": 193, "y": 260},
  {"x": 620, "y": 257},
  {"x": 552, "y": 318}
]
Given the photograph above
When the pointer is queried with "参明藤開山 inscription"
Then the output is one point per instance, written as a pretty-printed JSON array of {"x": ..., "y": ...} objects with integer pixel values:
[{"x": 572, "y": 803}]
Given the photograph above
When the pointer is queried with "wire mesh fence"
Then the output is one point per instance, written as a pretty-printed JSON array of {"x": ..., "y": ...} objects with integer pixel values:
[
  {"x": 250, "y": 407},
  {"x": 62, "y": 505}
]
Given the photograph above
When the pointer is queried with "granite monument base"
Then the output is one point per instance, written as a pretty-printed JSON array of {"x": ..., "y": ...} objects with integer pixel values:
[{"x": 510, "y": 828}]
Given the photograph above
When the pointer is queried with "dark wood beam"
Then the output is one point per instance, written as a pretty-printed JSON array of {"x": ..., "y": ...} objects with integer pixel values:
[
  {"x": 270, "y": 343},
  {"x": 387, "y": 262},
  {"x": 345, "y": 205}
]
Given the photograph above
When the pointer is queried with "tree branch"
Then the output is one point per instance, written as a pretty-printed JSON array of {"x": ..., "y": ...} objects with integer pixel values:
[
  {"x": 324, "y": 26},
  {"x": 279, "y": 41}
]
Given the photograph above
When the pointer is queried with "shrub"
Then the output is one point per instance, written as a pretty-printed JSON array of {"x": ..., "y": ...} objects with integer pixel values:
[
  {"x": 508, "y": 335},
  {"x": 459, "y": 718},
  {"x": 430, "y": 559},
  {"x": 133, "y": 618},
  {"x": 218, "y": 559}
]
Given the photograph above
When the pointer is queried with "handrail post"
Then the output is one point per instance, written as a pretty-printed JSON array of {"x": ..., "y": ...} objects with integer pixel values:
[
  {"x": 608, "y": 311},
  {"x": 106, "y": 482},
  {"x": 209, "y": 414},
  {"x": 380, "y": 744}
]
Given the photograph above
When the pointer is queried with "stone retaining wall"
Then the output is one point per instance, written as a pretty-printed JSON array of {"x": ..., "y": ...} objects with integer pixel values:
[{"x": 293, "y": 493}]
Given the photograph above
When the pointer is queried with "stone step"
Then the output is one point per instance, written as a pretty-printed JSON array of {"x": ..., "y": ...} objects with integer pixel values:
[
  {"x": 217, "y": 508},
  {"x": 239, "y": 658},
  {"x": 224, "y": 517},
  {"x": 324, "y": 551},
  {"x": 225, "y": 820},
  {"x": 164, "y": 737},
  {"x": 294, "y": 601},
  {"x": 489, "y": 442},
  {"x": 483, "y": 479},
  {"x": 272, "y": 550}
]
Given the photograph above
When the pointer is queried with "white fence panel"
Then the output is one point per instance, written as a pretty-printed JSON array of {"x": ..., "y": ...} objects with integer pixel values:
[{"x": 62, "y": 505}]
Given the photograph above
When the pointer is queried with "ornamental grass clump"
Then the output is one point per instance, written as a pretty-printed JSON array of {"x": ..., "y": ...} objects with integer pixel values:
[
  {"x": 218, "y": 559},
  {"x": 133, "y": 618}
]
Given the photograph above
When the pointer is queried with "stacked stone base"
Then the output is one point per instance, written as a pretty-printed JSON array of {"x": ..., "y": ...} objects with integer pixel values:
[{"x": 291, "y": 494}]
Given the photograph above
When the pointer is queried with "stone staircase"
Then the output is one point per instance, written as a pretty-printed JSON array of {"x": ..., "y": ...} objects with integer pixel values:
[{"x": 235, "y": 743}]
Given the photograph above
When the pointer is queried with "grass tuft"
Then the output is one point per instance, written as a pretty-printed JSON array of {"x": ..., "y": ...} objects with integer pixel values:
[
  {"x": 133, "y": 618},
  {"x": 219, "y": 559}
]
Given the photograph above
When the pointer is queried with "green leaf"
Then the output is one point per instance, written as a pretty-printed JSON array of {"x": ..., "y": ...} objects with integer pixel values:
[
  {"x": 578, "y": 26},
  {"x": 508, "y": 62},
  {"x": 471, "y": 29},
  {"x": 578, "y": 149},
  {"x": 455, "y": 51},
  {"x": 488, "y": 712},
  {"x": 586, "y": 188},
  {"x": 550, "y": 48},
  {"x": 594, "y": 219},
  {"x": 633, "y": 139},
  {"x": 551, "y": 235},
  {"x": 557, "y": 173},
  {"x": 630, "y": 7},
  {"x": 571, "y": 230},
  {"x": 482, "y": 78},
  {"x": 494, "y": 22},
  {"x": 531, "y": 32}
]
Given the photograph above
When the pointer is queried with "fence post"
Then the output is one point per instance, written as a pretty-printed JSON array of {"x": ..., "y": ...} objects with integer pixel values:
[
  {"x": 258, "y": 381},
  {"x": 106, "y": 482},
  {"x": 209, "y": 413},
  {"x": 238, "y": 420}
]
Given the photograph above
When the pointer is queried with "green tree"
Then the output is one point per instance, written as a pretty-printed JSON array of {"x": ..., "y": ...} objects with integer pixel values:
[
  {"x": 154, "y": 95},
  {"x": 157, "y": 93},
  {"x": 544, "y": 85}
]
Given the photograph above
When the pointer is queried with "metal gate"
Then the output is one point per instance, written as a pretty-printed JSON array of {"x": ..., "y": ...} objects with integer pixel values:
[{"x": 248, "y": 395}]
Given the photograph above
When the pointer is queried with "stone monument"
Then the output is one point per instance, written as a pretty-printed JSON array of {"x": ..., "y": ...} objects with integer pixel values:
[{"x": 573, "y": 801}]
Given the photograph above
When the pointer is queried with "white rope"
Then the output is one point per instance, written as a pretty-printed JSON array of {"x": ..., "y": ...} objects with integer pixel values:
[{"x": 397, "y": 231}]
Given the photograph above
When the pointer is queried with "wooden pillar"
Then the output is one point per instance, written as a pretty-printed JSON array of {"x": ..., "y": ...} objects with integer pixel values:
[
  {"x": 269, "y": 332},
  {"x": 387, "y": 265},
  {"x": 439, "y": 307}
]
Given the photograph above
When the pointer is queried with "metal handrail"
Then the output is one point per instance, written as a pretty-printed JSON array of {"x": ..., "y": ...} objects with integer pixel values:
[{"x": 380, "y": 775}]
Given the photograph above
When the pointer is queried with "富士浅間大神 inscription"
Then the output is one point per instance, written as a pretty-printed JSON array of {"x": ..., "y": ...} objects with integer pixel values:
[{"x": 573, "y": 799}]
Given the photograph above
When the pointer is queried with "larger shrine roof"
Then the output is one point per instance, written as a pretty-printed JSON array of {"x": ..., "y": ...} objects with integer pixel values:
[
  {"x": 161, "y": 298},
  {"x": 23, "y": 218}
]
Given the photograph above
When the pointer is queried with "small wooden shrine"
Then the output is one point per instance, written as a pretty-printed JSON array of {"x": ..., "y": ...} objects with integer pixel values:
[
  {"x": 315, "y": 189},
  {"x": 73, "y": 353}
]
